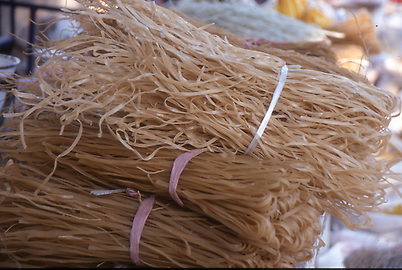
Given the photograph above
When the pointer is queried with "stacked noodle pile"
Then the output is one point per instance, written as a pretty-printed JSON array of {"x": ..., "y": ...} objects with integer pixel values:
[{"x": 138, "y": 86}]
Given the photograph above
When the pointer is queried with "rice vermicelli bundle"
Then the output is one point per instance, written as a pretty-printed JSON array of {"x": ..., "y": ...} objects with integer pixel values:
[
  {"x": 139, "y": 85},
  {"x": 274, "y": 210},
  {"x": 220, "y": 96},
  {"x": 66, "y": 225}
]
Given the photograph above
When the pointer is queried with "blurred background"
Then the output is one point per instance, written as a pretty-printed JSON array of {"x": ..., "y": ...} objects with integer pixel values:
[{"x": 372, "y": 46}]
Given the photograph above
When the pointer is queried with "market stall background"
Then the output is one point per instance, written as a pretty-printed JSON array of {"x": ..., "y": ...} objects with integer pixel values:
[{"x": 384, "y": 69}]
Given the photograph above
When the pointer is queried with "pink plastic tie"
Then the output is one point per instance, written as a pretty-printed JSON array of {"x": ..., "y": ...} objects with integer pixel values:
[
  {"x": 132, "y": 192},
  {"x": 138, "y": 225},
  {"x": 178, "y": 166},
  {"x": 253, "y": 41}
]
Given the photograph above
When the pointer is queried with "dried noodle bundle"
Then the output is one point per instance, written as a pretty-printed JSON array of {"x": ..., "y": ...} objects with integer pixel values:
[
  {"x": 154, "y": 95},
  {"x": 274, "y": 211},
  {"x": 141, "y": 76},
  {"x": 66, "y": 225}
]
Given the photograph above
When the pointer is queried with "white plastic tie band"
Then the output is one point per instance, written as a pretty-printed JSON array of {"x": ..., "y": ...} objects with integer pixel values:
[
  {"x": 275, "y": 97},
  {"x": 106, "y": 192}
]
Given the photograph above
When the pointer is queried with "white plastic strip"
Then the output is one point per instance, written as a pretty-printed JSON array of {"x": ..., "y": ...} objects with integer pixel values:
[
  {"x": 265, "y": 120},
  {"x": 106, "y": 192}
]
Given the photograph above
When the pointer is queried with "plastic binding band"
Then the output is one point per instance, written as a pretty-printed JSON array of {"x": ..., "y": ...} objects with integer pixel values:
[
  {"x": 265, "y": 120},
  {"x": 140, "y": 218},
  {"x": 178, "y": 166}
]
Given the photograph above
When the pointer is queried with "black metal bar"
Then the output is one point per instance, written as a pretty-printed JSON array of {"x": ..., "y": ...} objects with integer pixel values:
[
  {"x": 12, "y": 18},
  {"x": 31, "y": 40},
  {"x": 13, "y": 3}
]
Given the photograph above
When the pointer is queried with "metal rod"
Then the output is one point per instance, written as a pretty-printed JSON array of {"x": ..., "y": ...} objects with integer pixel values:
[
  {"x": 12, "y": 18},
  {"x": 31, "y": 40}
]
